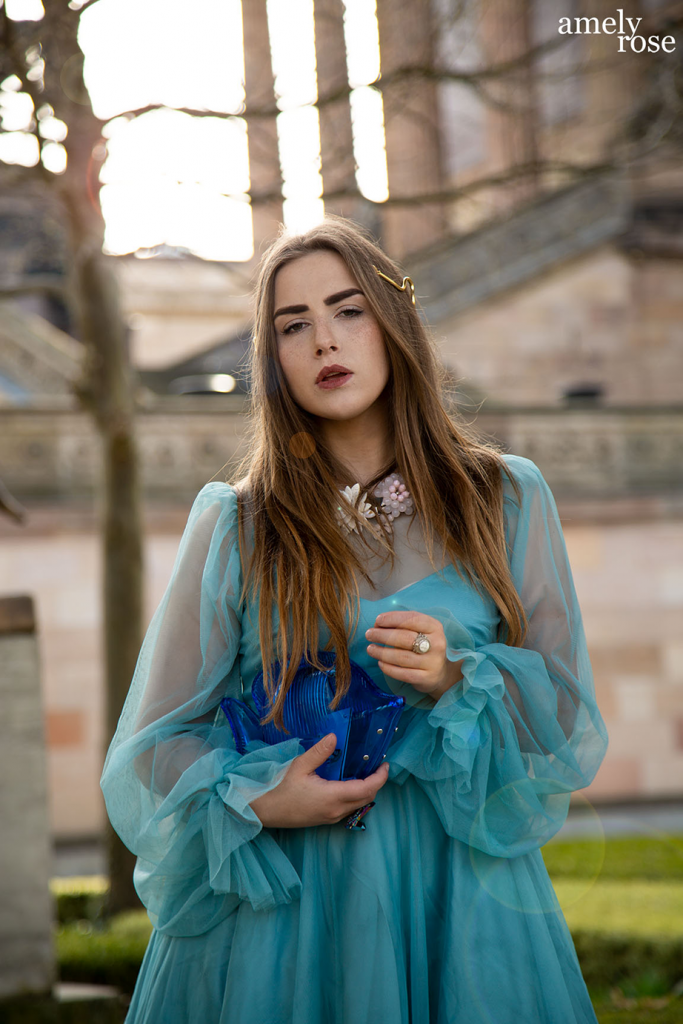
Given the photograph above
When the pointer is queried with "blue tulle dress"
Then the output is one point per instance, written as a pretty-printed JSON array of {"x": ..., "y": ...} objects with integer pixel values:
[{"x": 442, "y": 911}]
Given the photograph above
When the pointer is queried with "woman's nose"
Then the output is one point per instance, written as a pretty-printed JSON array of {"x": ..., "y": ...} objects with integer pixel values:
[{"x": 325, "y": 339}]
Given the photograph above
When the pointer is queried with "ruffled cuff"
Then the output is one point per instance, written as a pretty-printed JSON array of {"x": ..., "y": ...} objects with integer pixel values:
[
  {"x": 442, "y": 743},
  {"x": 458, "y": 712},
  {"x": 464, "y": 753},
  {"x": 215, "y": 852},
  {"x": 243, "y": 858}
]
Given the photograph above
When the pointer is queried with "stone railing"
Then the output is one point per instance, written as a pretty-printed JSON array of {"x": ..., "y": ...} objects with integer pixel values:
[
  {"x": 585, "y": 453},
  {"x": 597, "y": 453}
]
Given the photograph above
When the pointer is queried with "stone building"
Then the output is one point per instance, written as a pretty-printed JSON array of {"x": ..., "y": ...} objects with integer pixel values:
[{"x": 557, "y": 304}]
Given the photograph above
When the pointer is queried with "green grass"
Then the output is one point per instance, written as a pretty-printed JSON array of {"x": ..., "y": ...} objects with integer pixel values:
[
  {"x": 79, "y": 885},
  {"x": 645, "y": 909},
  {"x": 642, "y": 907},
  {"x": 623, "y": 901},
  {"x": 655, "y": 858}
]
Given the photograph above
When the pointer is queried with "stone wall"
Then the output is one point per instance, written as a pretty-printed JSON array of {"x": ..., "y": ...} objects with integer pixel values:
[
  {"x": 608, "y": 318},
  {"x": 629, "y": 580}
]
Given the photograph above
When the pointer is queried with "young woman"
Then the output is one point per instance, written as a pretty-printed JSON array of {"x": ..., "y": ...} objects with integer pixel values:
[{"x": 443, "y": 578}]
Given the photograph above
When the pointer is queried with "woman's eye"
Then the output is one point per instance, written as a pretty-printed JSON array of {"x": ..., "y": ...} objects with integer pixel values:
[
  {"x": 294, "y": 328},
  {"x": 346, "y": 314}
]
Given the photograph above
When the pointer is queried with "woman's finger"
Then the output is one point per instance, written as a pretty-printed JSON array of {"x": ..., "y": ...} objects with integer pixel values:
[
  {"x": 416, "y": 621},
  {"x": 400, "y": 657},
  {"x": 404, "y": 638},
  {"x": 357, "y": 792},
  {"x": 419, "y": 678},
  {"x": 317, "y": 754}
]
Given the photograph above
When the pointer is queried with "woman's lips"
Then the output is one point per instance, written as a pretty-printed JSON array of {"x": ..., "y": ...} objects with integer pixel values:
[{"x": 334, "y": 381}]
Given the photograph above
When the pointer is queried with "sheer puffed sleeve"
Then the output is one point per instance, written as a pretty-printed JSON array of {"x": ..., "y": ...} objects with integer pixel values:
[
  {"x": 176, "y": 790},
  {"x": 501, "y": 751}
]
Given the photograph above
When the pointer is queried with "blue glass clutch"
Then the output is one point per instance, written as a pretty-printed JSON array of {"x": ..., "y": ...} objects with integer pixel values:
[{"x": 364, "y": 722}]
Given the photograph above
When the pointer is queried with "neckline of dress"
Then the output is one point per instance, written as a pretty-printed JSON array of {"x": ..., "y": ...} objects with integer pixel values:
[{"x": 408, "y": 586}]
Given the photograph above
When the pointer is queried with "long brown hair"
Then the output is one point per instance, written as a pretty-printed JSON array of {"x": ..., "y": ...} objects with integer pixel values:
[{"x": 302, "y": 565}]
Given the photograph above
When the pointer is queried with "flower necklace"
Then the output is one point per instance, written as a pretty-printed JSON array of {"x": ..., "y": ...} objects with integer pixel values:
[{"x": 391, "y": 491}]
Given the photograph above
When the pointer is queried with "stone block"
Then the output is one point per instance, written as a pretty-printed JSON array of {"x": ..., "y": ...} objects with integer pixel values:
[
  {"x": 669, "y": 701},
  {"x": 76, "y": 804},
  {"x": 671, "y": 586},
  {"x": 26, "y": 953},
  {"x": 678, "y": 733},
  {"x": 635, "y": 698},
  {"x": 17, "y": 615},
  {"x": 640, "y": 740},
  {"x": 584, "y": 547},
  {"x": 625, "y": 659},
  {"x": 672, "y": 658},
  {"x": 663, "y": 774},
  {"x": 65, "y": 728},
  {"x": 617, "y": 776}
]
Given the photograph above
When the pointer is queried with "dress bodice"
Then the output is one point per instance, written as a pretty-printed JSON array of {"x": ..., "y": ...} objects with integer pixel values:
[{"x": 412, "y": 583}]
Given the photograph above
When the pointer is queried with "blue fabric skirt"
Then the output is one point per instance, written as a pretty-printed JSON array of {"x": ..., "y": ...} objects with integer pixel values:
[{"x": 399, "y": 924}]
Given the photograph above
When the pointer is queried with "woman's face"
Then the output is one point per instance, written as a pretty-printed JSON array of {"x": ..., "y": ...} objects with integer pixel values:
[{"x": 330, "y": 346}]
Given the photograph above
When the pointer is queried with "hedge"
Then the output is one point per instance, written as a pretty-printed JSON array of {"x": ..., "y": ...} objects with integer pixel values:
[
  {"x": 623, "y": 900},
  {"x": 104, "y": 955},
  {"x": 80, "y": 897},
  {"x": 112, "y": 955}
]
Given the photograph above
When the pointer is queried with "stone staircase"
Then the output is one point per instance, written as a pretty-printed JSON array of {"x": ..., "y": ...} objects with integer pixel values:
[{"x": 454, "y": 275}]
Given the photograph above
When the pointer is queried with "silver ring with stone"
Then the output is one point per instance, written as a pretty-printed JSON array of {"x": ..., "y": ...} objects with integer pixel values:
[{"x": 421, "y": 644}]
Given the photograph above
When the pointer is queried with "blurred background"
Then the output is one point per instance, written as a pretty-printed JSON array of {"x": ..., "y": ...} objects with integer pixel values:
[{"x": 521, "y": 158}]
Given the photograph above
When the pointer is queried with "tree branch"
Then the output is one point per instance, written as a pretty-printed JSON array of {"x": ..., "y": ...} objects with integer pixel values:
[
  {"x": 576, "y": 172},
  {"x": 405, "y": 74}
]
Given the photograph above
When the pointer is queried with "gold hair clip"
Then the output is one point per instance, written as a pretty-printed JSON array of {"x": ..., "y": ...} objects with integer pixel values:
[{"x": 401, "y": 287}]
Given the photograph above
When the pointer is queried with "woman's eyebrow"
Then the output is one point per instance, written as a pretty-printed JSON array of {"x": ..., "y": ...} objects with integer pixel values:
[
  {"x": 338, "y": 296},
  {"x": 329, "y": 301},
  {"x": 289, "y": 309}
]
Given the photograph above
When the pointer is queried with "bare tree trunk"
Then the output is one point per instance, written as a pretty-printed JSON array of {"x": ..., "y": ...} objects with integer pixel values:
[
  {"x": 108, "y": 389},
  {"x": 109, "y": 392}
]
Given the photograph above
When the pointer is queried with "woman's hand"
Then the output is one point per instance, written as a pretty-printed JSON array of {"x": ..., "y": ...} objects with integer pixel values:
[
  {"x": 303, "y": 798},
  {"x": 431, "y": 673}
]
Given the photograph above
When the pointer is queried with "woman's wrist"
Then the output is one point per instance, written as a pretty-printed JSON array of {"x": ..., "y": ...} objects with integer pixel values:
[{"x": 452, "y": 675}]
